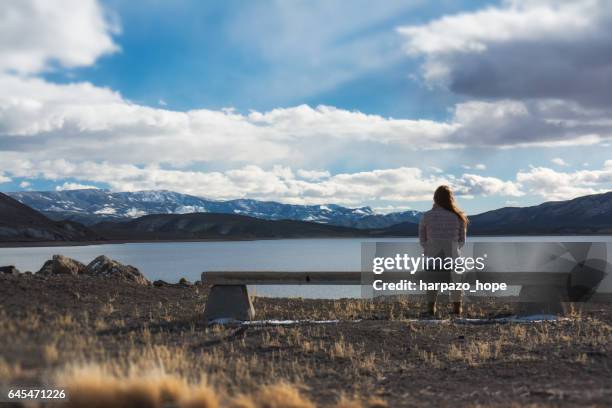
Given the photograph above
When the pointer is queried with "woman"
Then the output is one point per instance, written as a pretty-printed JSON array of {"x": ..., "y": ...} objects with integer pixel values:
[{"x": 442, "y": 233}]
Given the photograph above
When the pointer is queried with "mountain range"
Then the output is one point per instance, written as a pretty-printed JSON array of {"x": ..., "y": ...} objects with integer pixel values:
[
  {"x": 588, "y": 215},
  {"x": 91, "y": 206},
  {"x": 22, "y": 224}
]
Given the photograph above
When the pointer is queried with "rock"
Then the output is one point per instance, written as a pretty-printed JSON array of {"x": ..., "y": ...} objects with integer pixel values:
[
  {"x": 10, "y": 270},
  {"x": 160, "y": 283},
  {"x": 105, "y": 267},
  {"x": 62, "y": 265},
  {"x": 46, "y": 269}
]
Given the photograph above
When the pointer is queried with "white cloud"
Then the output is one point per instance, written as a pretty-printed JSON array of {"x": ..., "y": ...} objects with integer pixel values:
[
  {"x": 509, "y": 123},
  {"x": 41, "y": 120},
  {"x": 74, "y": 186},
  {"x": 521, "y": 49},
  {"x": 4, "y": 179},
  {"x": 24, "y": 184},
  {"x": 36, "y": 35},
  {"x": 514, "y": 21},
  {"x": 476, "y": 185},
  {"x": 390, "y": 209},
  {"x": 478, "y": 166},
  {"x": 555, "y": 185},
  {"x": 313, "y": 174},
  {"x": 539, "y": 69},
  {"x": 397, "y": 185},
  {"x": 45, "y": 120},
  {"x": 559, "y": 162}
]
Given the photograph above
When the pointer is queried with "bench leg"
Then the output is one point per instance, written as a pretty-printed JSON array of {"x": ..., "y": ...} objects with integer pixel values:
[
  {"x": 541, "y": 300},
  {"x": 229, "y": 302}
]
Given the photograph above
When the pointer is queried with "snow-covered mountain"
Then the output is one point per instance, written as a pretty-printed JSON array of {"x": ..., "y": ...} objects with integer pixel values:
[{"x": 91, "y": 206}]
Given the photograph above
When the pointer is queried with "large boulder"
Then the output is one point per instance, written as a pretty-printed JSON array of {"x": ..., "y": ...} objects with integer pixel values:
[
  {"x": 105, "y": 267},
  {"x": 62, "y": 265},
  {"x": 9, "y": 270}
]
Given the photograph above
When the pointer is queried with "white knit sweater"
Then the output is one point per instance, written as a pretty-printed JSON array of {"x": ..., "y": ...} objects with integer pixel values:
[{"x": 439, "y": 224}]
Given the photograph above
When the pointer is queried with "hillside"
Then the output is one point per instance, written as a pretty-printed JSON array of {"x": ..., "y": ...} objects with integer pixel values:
[
  {"x": 19, "y": 222},
  {"x": 220, "y": 226},
  {"x": 590, "y": 214}
]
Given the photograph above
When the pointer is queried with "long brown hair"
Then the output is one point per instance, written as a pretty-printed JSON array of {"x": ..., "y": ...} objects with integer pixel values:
[{"x": 444, "y": 198}]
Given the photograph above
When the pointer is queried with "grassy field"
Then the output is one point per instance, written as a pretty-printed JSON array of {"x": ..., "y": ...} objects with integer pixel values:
[{"x": 129, "y": 345}]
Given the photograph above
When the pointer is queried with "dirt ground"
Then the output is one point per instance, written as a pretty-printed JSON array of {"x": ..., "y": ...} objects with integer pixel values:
[{"x": 382, "y": 349}]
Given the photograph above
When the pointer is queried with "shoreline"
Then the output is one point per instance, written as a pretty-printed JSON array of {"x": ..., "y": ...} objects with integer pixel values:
[{"x": 35, "y": 244}]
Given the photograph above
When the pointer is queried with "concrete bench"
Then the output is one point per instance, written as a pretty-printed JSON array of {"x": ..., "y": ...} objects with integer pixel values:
[
  {"x": 229, "y": 297},
  {"x": 540, "y": 292}
]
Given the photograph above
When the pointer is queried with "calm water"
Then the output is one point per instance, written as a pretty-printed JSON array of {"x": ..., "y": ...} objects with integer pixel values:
[{"x": 171, "y": 261}]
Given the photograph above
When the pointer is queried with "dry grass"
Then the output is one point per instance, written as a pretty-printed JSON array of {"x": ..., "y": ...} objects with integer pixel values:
[
  {"x": 50, "y": 353},
  {"x": 8, "y": 371},
  {"x": 342, "y": 349},
  {"x": 345, "y": 402},
  {"x": 388, "y": 308},
  {"x": 155, "y": 349},
  {"x": 474, "y": 353},
  {"x": 149, "y": 366},
  {"x": 96, "y": 386},
  {"x": 281, "y": 395}
]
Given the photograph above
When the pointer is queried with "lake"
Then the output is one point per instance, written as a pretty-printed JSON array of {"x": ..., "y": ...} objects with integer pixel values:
[{"x": 172, "y": 260}]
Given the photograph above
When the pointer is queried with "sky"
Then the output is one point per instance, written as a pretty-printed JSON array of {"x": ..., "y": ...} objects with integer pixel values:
[{"x": 309, "y": 102}]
